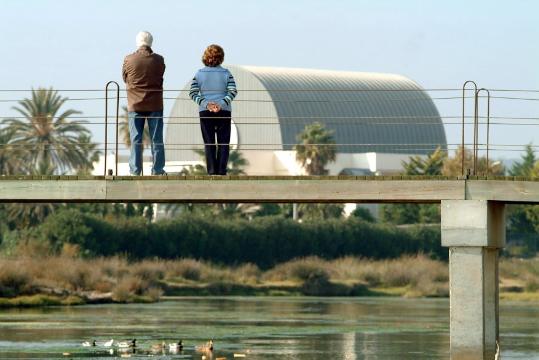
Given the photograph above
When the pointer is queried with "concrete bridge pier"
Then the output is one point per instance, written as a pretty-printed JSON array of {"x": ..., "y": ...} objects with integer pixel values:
[{"x": 474, "y": 231}]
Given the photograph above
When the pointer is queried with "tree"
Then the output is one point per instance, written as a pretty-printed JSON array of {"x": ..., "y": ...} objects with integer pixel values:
[
  {"x": 526, "y": 165},
  {"x": 363, "y": 213},
  {"x": 43, "y": 142},
  {"x": 269, "y": 209},
  {"x": 315, "y": 212},
  {"x": 523, "y": 220},
  {"x": 236, "y": 164},
  {"x": 431, "y": 165},
  {"x": 92, "y": 154},
  {"x": 417, "y": 213},
  {"x": 10, "y": 159},
  {"x": 45, "y": 135},
  {"x": 316, "y": 149},
  {"x": 453, "y": 165},
  {"x": 401, "y": 213}
]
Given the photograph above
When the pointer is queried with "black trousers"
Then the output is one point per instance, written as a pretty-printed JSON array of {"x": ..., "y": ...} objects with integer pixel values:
[{"x": 216, "y": 134}]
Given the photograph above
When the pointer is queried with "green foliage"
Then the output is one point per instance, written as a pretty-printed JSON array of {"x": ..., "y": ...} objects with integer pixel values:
[
  {"x": 453, "y": 165},
  {"x": 429, "y": 214},
  {"x": 316, "y": 212},
  {"x": 43, "y": 141},
  {"x": 523, "y": 220},
  {"x": 45, "y": 135},
  {"x": 236, "y": 164},
  {"x": 400, "y": 214},
  {"x": 264, "y": 241},
  {"x": 316, "y": 149},
  {"x": 363, "y": 214},
  {"x": 92, "y": 153},
  {"x": 417, "y": 213},
  {"x": 65, "y": 227},
  {"x": 10, "y": 156},
  {"x": 431, "y": 165},
  {"x": 269, "y": 209},
  {"x": 527, "y": 163}
]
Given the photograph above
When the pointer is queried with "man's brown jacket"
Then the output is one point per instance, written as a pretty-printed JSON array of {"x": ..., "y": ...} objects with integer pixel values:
[{"x": 143, "y": 74}]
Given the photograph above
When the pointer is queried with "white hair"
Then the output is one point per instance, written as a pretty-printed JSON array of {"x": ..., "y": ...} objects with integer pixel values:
[{"x": 144, "y": 38}]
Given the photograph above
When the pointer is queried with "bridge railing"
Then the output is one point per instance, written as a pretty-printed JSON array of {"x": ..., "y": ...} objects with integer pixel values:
[{"x": 487, "y": 116}]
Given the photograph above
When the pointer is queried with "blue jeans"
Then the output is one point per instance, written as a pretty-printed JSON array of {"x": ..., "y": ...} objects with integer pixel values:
[{"x": 136, "y": 129}]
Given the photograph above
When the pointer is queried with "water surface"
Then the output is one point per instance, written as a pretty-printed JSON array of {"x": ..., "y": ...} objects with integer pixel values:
[{"x": 260, "y": 328}]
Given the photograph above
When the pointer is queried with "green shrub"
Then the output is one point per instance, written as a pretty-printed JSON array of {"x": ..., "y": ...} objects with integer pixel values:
[{"x": 264, "y": 241}]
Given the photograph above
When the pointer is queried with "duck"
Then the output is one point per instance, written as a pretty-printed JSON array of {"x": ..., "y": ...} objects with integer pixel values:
[
  {"x": 107, "y": 343},
  {"x": 88, "y": 344},
  {"x": 158, "y": 347},
  {"x": 175, "y": 347},
  {"x": 127, "y": 344},
  {"x": 205, "y": 348}
]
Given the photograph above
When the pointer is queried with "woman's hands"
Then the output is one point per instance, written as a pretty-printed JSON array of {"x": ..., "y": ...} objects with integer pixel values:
[{"x": 213, "y": 107}]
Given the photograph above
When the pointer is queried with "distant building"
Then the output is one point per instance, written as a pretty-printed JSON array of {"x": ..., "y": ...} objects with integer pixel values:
[{"x": 378, "y": 120}]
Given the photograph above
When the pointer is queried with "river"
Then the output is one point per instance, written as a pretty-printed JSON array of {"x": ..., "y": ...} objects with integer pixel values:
[{"x": 259, "y": 328}]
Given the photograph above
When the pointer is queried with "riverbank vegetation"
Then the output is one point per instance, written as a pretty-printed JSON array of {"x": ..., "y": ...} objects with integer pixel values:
[
  {"x": 67, "y": 280},
  {"x": 54, "y": 254},
  {"x": 264, "y": 241}
]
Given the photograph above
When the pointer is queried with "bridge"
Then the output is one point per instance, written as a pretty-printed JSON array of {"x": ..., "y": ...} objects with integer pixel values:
[
  {"x": 472, "y": 223},
  {"x": 472, "y": 207}
]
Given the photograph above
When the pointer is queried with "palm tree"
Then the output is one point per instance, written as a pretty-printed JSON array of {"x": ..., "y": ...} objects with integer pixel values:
[
  {"x": 236, "y": 164},
  {"x": 10, "y": 162},
  {"x": 45, "y": 135},
  {"x": 316, "y": 149},
  {"x": 91, "y": 153}
]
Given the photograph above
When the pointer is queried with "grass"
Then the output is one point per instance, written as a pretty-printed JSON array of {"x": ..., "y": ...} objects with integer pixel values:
[
  {"x": 40, "y": 300},
  {"x": 69, "y": 280},
  {"x": 416, "y": 276}
]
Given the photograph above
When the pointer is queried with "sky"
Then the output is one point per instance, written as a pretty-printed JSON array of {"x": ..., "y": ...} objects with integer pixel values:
[{"x": 67, "y": 44}]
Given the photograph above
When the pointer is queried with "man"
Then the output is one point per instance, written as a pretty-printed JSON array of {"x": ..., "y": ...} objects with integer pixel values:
[{"x": 143, "y": 74}]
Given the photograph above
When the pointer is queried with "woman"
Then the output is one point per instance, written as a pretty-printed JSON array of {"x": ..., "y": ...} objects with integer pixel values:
[{"x": 213, "y": 89}]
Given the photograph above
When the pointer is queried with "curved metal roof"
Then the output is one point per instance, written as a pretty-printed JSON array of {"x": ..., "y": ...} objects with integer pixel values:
[
  {"x": 368, "y": 112},
  {"x": 357, "y": 106}
]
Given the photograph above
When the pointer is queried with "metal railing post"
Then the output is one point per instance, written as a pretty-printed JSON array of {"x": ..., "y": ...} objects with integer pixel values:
[
  {"x": 488, "y": 120},
  {"x": 106, "y": 122},
  {"x": 475, "y": 147},
  {"x": 464, "y": 116}
]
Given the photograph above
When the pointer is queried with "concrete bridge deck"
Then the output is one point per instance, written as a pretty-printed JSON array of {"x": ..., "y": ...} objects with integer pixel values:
[{"x": 284, "y": 189}]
